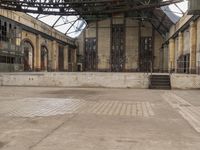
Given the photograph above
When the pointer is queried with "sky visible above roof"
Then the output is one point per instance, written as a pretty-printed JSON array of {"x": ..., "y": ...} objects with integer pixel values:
[{"x": 72, "y": 26}]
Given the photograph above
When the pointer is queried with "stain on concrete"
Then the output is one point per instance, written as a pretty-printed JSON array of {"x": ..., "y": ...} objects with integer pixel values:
[
  {"x": 2, "y": 144},
  {"x": 65, "y": 92}
]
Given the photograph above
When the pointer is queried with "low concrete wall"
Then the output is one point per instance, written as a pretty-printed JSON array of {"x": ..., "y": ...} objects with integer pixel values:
[
  {"x": 108, "y": 80},
  {"x": 185, "y": 81}
]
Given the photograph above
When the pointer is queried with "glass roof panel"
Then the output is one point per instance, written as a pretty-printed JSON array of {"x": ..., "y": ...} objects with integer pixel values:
[
  {"x": 73, "y": 26},
  {"x": 175, "y": 11},
  {"x": 50, "y": 20}
]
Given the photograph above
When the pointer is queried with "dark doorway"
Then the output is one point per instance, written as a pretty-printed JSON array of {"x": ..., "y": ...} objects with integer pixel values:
[
  {"x": 146, "y": 59},
  {"x": 186, "y": 63},
  {"x": 117, "y": 49},
  {"x": 90, "y": 54},
  {"x": 44, "y": 58},
  {"x": 28, "y": 56},
  {"x": 61, "y": 58}
]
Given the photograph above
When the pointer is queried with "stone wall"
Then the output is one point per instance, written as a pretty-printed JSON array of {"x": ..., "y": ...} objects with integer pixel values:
[
  {"x": 101, "y": 30},
  {"x": 185, "y": 81},
  {"x": 104, "y": 44},
  {"x": 184, "y": 42},
  {"x": 108, "y": 80},
  {"x": 157, "y": 49},
  {"x": 31, "y": 22},
  {"x": 99, "y": 80},
  {"x": 39, "y": 34},
  {"x": 198, "y": 44},
  {"x": 132, "y": 44}
]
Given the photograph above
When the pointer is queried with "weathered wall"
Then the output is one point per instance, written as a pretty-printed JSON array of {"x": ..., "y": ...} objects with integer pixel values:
[
  {"x": 85, "y": 80},
  {"x": 81, "y": 43},
  {"x": 104, "y": 44},
  {"x": 187, "y": 32},
  {"x": 198, "y": 43},
  {"x": 40, "y": 34},
  {"x": 146, "y": 29},
  {"x": 37, "y": 42},
  {"x": 108, "y": 80},
  {"x": 91, "y": 31},
  {"x": 185, "y": 81},
  {"x": 32, "y": 39},
  {"x": 132, "y": 44},
  {"x": 176, "y": 51},
  {"x": 103, "y": 36},
  {"x": 186, "y": 39},
  {"x": 157, "y": 48},
  {"x": 35, "y": 25},
  {"x": 179, "y": 24}
]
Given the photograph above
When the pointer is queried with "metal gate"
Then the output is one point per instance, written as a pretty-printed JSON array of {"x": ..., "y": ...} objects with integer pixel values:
[
  {"x": 117, "y": 50},
  {"x": 146, "y": 54},
  {"x": 90, "y": 54}
]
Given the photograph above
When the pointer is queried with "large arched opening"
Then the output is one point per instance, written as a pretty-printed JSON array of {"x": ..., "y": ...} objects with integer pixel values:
[
  {"x": 28, "y": 56},
  {"x": 44, "y": 58}
]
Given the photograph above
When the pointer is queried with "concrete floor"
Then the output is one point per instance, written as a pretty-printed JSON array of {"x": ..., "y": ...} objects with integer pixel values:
[{"x": 98, "y": 119}]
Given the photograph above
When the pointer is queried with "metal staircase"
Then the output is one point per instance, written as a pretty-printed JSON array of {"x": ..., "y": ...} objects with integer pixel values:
[{"x": 160, "y": 82}]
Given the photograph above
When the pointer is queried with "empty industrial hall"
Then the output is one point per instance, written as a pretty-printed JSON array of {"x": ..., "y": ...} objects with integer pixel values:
[{"x": 99, "y": 74}]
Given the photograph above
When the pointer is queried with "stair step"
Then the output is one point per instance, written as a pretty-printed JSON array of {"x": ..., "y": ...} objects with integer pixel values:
[
  {"x": 160, "y": 82},
  {"x": 159, "y": 78},
  {"x": 154, "y": 80},
  {"x": 160, "y": 87},
  {"x": 165, "y": 84}
]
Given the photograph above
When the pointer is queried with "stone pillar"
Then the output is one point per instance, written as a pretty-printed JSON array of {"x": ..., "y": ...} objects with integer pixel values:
[
  {"x": 54, "y": 56},
  {"x": 180, "y": 44},
  {"x": 171, "y": 64},
  {"x": 38, "y": 53},
  {"x": 193, "y": 46},
  {"x": 66, "y": 49}
]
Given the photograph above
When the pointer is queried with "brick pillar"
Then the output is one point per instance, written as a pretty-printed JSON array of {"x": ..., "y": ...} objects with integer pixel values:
[
  {"x": 171, "y": 64},
  {"x": 38, "y": 53},
  {"x": 54, "y": 56},
  {"x": 66, "y": 48},
  {"x": 193, "y": 46}
]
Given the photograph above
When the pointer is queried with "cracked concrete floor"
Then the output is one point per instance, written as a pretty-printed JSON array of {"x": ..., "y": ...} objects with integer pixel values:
[{"x": 98, "y": 119}]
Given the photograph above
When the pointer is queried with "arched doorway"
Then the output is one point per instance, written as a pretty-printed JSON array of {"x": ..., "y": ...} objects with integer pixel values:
[
  {"x": 28, "y": 56},
  {"x": 44, "y": 58}
]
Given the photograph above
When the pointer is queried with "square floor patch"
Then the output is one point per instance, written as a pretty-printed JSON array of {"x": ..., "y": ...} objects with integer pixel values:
[
  {"x": 120, "y": 108},
  {"x": 32, "y": 107},
  {"x": 36, "y": 107}
]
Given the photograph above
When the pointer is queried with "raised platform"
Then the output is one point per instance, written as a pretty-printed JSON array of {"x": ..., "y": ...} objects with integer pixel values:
[{"x": 94, "y": 79}]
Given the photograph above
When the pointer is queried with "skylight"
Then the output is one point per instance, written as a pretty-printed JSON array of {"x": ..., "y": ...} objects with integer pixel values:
[{"x": 72, "y": 26}]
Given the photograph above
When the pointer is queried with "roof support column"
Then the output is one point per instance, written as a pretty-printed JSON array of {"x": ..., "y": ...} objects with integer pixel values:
[
  {"x": 180, "y": 44},
  {"x": 54, "y": 56},
  {"x": 193, "y": 46},
  {"x": 38, "y": 53}
]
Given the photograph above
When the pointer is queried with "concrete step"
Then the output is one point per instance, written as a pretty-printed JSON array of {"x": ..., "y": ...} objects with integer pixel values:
[
  {"x": 160, "y": 82},
  {"x": 160, "y": 87}
]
